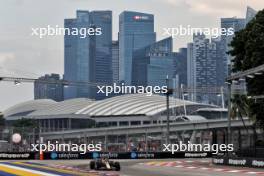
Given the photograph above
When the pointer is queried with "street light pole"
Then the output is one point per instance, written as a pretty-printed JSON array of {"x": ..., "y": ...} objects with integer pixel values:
[
  {"x": 229, "y": 114},
  {"x": 168, "y": 112},
  {"x": 222, "y": 96}
]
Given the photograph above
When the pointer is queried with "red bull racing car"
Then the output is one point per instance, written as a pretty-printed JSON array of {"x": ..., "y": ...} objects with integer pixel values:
[{"x": 104, "y": 163}]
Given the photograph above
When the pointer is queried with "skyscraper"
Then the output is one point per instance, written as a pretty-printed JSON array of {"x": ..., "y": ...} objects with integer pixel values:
[
  {"x": 115, "y": 61},
  {"x": 77, "y": 56},
  {"x": 237, "y": 24},
  {"x": 102, "y": 62},
  {"x": 152, "y": 64},
  {"x": 201, "y": 61},
  {"x": 136, "y": 30},
  {"x": 251, "y": 13},
  {"x": 49, "y": 87},
  {"x": 180, "y": 59},
  {"x": 103, "y": 46},
  {"x": 88, "y": 59},
  {"x": 221, "y": 63}
]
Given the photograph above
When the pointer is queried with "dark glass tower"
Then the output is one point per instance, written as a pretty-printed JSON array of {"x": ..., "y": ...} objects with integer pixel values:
[
  {"x": 152, "y": 64},
  {"x": 88, "y": 59},
  {"x": 136, "y": 30},
  {"x": 44, "y": 89}
]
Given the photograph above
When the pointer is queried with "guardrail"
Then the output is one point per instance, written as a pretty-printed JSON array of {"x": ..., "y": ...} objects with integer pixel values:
[{"x": 157, "y": 128}]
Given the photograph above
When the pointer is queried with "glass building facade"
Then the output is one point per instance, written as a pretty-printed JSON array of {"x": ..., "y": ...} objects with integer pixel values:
[
  {"x": 102, "y": 61},
  {"x": 49, "y": 87},
  {"x": 115, "y": 61},
  {"x": 180, "y": 59},
  {"x": 88, "y": 59},
  {"x": 251, "y": 13},
  {"x": 136, "y": 30},
  {"x": 237, "y": 24},
  {"x": 152, "y": 64},
  {"x": 202, "y": 67}
]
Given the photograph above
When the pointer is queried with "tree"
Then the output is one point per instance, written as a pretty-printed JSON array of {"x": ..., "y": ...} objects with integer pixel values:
[
  {"x": 24, "y": 126},
  {"x": 2, "y": 120},
  {"x": 2, "y": 124},
  {"x": 240, "y": 107},
  {"x": 248, "y": 52}
]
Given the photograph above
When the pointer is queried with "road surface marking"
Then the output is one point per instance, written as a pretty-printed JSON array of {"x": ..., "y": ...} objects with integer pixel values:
[
  {"x": 62, "y": 169},
  {"x": 22, "y": 171},
  {"x": 193, "y": 165}
]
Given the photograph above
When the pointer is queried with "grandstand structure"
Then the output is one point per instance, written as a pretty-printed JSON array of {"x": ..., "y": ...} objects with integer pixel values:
[
  {"x": 127, "y": 122},
  {"x": 123, "y": 110}
]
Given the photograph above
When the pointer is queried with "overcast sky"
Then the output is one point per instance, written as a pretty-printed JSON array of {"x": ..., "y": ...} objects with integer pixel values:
[{"x": 24, "y": 55}]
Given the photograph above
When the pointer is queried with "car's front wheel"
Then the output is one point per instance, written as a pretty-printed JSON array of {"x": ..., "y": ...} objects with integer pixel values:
[
  {"x": 117, "y": 166},
  {"x": 92, "y": 165}
]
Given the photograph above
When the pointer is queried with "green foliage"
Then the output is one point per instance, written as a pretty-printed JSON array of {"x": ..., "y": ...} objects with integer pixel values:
[
  {"x": 248, "y": 52},
  {"x": 240, "y": 106},
  {"x": 24, "y": 125},
  {"x": 2, "y": 120},
  {"x": 248, "y": 45}
]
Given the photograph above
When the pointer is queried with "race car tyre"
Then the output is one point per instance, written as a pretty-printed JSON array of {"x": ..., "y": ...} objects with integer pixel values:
[
  {"x": 117, "y": 166},
  {"x": 97, "y": 166},
  {"x": 92, "y": 165}
]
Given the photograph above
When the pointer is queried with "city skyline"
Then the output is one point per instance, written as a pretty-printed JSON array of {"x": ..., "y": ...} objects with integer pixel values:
[{"x": 7, "y": 59}]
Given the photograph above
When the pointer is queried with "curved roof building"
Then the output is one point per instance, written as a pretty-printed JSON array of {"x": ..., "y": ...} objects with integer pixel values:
[
  {"x": 123, "y": 105},
  {"x": 123, "y": 110},
  {"x": 27, "y": 107}
]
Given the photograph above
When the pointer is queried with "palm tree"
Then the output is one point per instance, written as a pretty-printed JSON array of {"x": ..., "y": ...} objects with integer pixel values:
[{"x": 240, "y": 106}]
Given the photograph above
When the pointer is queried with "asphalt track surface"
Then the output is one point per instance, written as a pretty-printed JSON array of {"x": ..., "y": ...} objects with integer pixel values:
[{"x": 176, "y": 167}]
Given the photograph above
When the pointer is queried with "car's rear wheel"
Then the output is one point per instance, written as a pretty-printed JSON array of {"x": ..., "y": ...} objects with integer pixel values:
[
  {"x": 92, "y": 165},
  {"x": 117, "y": 166},
  {"x": 97, "y": 166}
]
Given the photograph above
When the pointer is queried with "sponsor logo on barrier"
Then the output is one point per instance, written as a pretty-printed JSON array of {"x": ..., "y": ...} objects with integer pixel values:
[
  {"x": 95, "y": 155},
  {"x": 145, "y": 155},
  {"x": 68, "y": 156},
  {"x": 218, "y": 161},
  {"x": 105, "y": 155},
  {"x": 193, "y": 155},
  {"x": 249, "y": 162},
  {"x": 257, "y": 163},
  {"x": 133, "y": 155},
  {"x": 54, "y": 155},
  {"x": 237, "y": 162},
  {"x": 14, "y": 155},
  {"x": 109, "y": 155}
]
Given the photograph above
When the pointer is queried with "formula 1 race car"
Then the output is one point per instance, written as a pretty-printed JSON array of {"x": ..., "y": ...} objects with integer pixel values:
[{"x": 104, "y": 163}]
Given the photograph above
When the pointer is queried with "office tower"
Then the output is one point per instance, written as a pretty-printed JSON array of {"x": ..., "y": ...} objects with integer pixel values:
[
  {"x": 251, "y": 13},
  {"x": 49, "y": 87},
  {"x": 115, "y": 61},
  {"x": 102, "y": 62},
  {"x": 77, "y": 57},
  {"x": 88, "y": 59},
  {"x": 103, "y": 46},
  {"x": 136, "y": 30},
  {"x": 152, "y": 64},
  {"x": 221, "y": 63},
  {"x": 237, "y": 24},
  {"x": 191, "y": 67},
  {"x": 201, "y": 68},
  {"x": 180, "y": 59}
]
